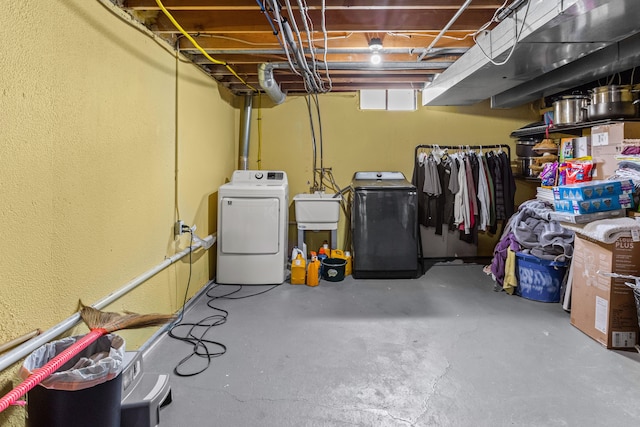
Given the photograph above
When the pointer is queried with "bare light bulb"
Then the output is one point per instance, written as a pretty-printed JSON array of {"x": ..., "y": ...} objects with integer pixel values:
[{"x": 376, "y": 58}]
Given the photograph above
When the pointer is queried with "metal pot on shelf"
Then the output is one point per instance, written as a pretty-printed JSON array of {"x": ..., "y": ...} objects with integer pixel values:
[
  {"x": 570, "y": 109},
  {"x": 612, "y": 102},
  {"x": 524, "y": 146},
  {"x": 524, "y": 167}
]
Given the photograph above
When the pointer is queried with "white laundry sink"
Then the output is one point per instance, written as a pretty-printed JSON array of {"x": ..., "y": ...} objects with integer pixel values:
[{"x": 317, "y": 208}]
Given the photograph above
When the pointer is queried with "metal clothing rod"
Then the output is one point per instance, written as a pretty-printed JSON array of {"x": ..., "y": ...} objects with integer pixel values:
[
  {"x": 464, "y": 147},
  {"x": 23, "y": 350}
]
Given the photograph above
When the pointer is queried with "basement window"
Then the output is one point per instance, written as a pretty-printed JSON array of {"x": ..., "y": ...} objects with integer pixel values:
[{"x": 390, "y": 99}]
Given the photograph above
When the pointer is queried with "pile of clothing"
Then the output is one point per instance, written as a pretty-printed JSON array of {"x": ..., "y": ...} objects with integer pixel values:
[{"x": 530, "y": 230}]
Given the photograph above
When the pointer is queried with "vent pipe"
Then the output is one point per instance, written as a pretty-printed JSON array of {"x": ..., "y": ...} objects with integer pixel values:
[
  {"x": 268, "y": 83},
  {"x": 245, "y": 132},
  {"x": 271, "y": 88}
]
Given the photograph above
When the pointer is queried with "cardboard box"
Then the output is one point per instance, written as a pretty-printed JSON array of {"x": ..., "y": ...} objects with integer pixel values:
[
  {"x": 606, "y": 143},
  {"x": 622, "y": 201},
  {"x": 604, "y": 157},
  {"x": 586, "y": 218},
  {"x": 567, "y": 149},
  {"x": 602, "y": 307},
  {"x": 582, "y": 147},
  {"x": 592, "y": 189}
]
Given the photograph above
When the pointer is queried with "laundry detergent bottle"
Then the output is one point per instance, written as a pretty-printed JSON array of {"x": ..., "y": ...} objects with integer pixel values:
[
  {"x": 313, "y": 271},
  {"x": 322, "y": 255},
  {"x": 349, "y": 266},
  {"x": 298, "y": 267},
  {"x": 337, "y": 253}
]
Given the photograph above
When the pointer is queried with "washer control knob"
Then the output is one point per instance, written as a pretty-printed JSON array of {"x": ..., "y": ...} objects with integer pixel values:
[{"x": 259, "y": 175}]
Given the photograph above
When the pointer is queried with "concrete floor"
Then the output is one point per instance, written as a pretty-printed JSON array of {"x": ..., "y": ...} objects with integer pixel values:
[{"x": 442, "y": 350}]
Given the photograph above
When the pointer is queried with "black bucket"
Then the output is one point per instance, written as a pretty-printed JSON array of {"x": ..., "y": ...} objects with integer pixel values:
[{"x": 333, "y": 269}]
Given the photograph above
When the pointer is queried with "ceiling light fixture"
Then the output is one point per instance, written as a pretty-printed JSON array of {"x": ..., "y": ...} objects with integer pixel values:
[{"x": 375, "y": 45}]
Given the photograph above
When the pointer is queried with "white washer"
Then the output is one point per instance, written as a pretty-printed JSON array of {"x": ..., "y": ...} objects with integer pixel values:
[{"x": 253, "y": 217}]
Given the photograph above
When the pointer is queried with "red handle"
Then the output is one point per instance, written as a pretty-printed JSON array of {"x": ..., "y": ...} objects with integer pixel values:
[{"x": 50, "y": 367}]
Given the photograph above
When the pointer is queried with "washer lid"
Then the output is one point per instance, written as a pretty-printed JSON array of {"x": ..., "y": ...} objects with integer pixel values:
[
  {"x": 378, "y": 175},
  {"x": 375, "y": 180}
]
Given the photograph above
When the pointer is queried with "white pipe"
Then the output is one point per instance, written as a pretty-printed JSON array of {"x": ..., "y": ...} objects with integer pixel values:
[
  {"x": 19, "y": 352},
  {"x": 404, "y": 65},
  {"x": 445, "y": 29}
]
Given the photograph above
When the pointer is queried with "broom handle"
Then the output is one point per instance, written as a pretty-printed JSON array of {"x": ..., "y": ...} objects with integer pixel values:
[{"x": 50, "y": 367}]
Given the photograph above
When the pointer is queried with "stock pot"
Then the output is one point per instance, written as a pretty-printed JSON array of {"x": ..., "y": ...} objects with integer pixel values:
[
  {"x": 612, "y": 102},
  {"x": 570, "y": 109}
]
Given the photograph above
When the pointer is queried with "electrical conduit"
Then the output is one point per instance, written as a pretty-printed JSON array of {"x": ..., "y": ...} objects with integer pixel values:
[{"x": 25, "y": 349}]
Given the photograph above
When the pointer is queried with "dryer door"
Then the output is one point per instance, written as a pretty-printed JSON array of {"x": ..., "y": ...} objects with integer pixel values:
[{"x": 249, "y": 225}]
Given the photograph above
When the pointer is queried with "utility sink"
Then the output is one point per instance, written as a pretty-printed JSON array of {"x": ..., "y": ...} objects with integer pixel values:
[{"x": 317, "y": 208}]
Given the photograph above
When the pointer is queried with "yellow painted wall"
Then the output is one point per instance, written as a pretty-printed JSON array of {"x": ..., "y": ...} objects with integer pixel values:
[
  {"x": 107, "y": 140},
  {"x": 357, "y": 140},
  {"x": 97, "y": 121}
]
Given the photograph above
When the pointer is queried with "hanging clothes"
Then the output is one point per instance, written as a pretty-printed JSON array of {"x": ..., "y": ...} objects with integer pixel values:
[
  {"x": 509, "y": 184},
  {"x": 428, "y": 181},
  {"x": 483, "y": 195},
  {"x": 451, "y": 187},
  {"x": 466, "y": 190},
  {"x": 462, "y": 207}
]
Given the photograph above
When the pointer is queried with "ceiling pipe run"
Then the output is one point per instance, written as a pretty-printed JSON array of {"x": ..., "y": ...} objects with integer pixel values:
[
  {"x": 245, "y": 132},
  {"x": 444, "y": 30},
  {"x": 272, "y": 89},
  {"x": 441, "y": 51}
]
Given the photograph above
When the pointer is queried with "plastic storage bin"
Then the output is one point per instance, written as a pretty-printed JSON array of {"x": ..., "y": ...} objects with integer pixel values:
[{"x": 539, "y": 279}]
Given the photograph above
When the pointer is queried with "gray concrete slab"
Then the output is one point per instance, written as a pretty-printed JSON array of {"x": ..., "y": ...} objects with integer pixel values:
[{"x": 441, "y": 350}]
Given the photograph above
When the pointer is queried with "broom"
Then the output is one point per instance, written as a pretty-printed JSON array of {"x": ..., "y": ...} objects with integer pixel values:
[{"x": 100, "y": 323}]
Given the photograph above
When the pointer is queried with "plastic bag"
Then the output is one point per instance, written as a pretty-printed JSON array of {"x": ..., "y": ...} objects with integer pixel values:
[
  {"x": 579, "y": 170},
  {"x": 548, "y": 174},
  {"x": 100, "y": 362}
]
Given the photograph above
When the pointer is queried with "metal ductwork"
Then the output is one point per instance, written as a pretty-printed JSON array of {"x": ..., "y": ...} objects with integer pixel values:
[
  {"x": 245, "y": 133},
  {"x": 268, "y": 83},
  {"x": 554, "y": 45}
]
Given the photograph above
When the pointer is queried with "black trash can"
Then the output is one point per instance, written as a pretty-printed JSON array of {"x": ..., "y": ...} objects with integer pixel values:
[{"x": 85, "y": 392}]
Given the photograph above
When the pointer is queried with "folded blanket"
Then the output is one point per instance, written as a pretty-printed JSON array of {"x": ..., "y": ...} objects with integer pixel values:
[{"x": 606, "y": 230}]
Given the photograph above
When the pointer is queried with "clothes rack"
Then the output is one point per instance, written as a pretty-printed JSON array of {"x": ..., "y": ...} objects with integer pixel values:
[
  {"x": 453, "y": 213},
  {"x": 461, "y": 147}
]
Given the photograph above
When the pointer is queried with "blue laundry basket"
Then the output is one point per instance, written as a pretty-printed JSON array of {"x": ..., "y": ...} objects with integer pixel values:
[{"x": 539, "y": 279}]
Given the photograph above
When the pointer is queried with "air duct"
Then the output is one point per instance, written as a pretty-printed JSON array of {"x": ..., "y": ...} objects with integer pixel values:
[
  {"x": 245, "y": 132},
  {"x": 268, "y": 83}
]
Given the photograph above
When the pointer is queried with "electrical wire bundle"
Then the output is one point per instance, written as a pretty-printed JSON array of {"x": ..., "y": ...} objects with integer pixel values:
[
  {"x": 500, "y": 14},
  {"x": 291, "y": 40}
]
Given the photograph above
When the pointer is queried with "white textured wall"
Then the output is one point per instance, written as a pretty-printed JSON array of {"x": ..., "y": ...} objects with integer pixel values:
[{"x": 95, "y": 119}]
